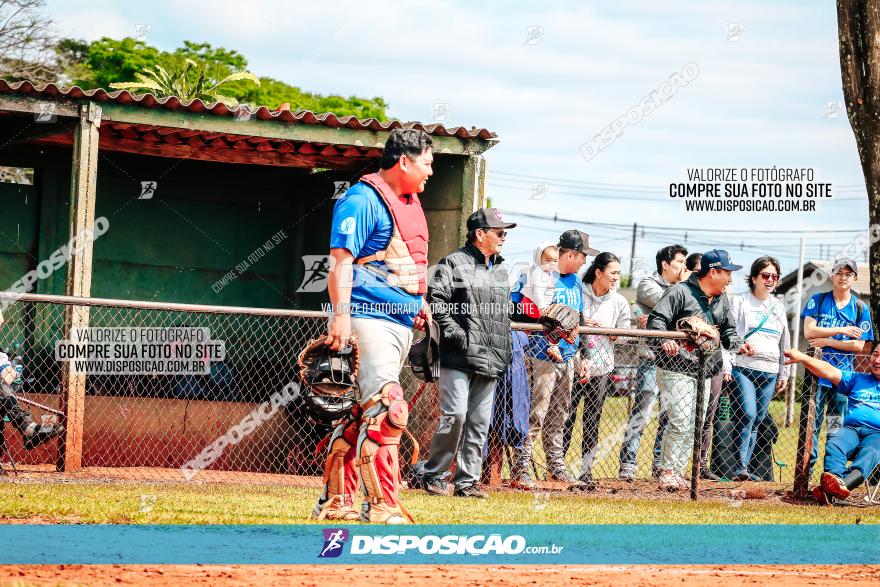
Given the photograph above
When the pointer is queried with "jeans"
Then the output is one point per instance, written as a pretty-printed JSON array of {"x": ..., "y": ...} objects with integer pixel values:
[
  {"x": 465, "y": 411},
  {"x": 835, "y": 403},
  {"x": 594, "y": 393},
  {"x": 678, "y": 394},
  {"x": 551, "y": 397},
  {"x": 751, "y": 401},
  {"x": 859, "y": 443},
  {"x": 643, "y": 404}
]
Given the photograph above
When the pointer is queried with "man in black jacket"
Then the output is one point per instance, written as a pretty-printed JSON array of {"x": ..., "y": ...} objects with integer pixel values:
[
  {"x": 702, "y": 294},
  {"x": 468, "y": 293}
]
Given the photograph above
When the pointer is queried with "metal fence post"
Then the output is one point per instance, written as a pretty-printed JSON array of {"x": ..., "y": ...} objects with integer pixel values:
[
  {"x": 698, "y": 425},
  {"x": 807, "y": 423}
]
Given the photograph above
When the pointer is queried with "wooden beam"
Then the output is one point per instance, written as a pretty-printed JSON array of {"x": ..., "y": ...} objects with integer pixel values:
[
  {"x": 84, "y": 176},
  {"x": 201, "y": 152},
  {"x": 207, "y": 122},
  {"x": 32, "y": 105},
  {"x": 473, "y": 190}
]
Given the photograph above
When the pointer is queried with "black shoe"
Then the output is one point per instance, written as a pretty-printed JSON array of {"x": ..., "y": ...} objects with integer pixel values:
[
  {"x": 41, "y": 434},
  {"x": 584, "y": 483},
  {"x": 471, "y": 491},
  {"x": 436, "y": 486},
  {"x": 742, "y": 477},
  {"x": 562, "y": 475},
  {"x": 708, "y": 475}
]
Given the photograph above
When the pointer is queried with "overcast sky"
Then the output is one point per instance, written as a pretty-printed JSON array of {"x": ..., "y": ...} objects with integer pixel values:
[{"x": 548, "y": 78}]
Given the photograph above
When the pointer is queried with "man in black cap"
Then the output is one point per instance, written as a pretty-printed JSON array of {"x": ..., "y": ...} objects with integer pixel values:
[
  {"x": 468, "y": 293},
  {"x": 702, "y": 294},
  {"x": 552, "y": 379}
]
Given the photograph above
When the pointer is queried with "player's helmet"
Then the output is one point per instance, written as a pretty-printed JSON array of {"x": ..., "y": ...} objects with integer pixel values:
[
  {"x": 424, "y": 355},
  {"x": 329, "y": 379}
]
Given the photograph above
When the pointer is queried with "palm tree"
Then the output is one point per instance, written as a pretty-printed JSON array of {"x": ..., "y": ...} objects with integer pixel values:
[{"x": 186, "y": 83}]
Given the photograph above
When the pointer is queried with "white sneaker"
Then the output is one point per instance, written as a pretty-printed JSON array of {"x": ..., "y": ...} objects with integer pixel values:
[{"x": 671, "y": 481}]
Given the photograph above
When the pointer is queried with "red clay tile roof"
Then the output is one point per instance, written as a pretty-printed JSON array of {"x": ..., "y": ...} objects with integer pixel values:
[{"x": 218, "y": 108}]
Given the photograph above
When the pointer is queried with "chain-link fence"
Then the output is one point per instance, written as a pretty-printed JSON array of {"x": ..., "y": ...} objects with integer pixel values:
[
  {"x": 632, "y": 419},
  {"x": 228, "y": 419}
]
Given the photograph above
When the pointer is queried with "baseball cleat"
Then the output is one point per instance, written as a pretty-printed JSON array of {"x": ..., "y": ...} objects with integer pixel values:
[{"x": 834, "y": 485}]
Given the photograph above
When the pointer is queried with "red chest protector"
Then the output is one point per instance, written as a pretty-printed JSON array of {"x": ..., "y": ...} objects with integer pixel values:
[{"x": 407, "y": 253}]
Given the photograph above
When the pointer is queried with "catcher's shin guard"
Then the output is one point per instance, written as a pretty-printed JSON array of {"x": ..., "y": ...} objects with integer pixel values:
[
  {"x": 383, "y": 422},
  {"x": 340, "y": 476}
]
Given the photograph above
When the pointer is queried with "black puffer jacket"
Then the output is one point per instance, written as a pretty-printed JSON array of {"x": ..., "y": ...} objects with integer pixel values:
[{"x": 469, "y": 300}]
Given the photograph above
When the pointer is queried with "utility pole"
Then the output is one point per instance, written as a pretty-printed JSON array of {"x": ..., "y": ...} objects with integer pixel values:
[{"x": 632, "y": 255}]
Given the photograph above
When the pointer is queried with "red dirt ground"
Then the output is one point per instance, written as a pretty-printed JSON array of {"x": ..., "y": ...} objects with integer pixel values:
[{"x": 495, "y": 576}]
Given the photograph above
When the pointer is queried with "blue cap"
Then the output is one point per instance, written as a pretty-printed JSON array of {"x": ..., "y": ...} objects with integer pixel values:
[{"x": 718, "y": 259}]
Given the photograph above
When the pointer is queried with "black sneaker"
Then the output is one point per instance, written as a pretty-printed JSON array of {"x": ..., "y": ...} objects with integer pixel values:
[
  {"x": 708, "y": 475},
  {"x": 40, "y": 434},
  {"x": 584, "y": 483},
  {"x": 471, "y": 491},
  {"x": 436, "y": 486},
  {"x": 562, "y": 475}
]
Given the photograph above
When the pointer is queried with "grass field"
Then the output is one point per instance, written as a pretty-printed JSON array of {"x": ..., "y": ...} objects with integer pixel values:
[{"x": 78, "y": 502}]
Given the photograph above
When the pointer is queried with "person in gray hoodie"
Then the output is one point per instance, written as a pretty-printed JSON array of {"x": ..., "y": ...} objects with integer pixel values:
[{"x": 670, "y": 270}]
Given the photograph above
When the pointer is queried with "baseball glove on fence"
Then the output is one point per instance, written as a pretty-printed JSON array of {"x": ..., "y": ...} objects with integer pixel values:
[
  {"x": 701, "y": 335},
  {"x": 329, "y": 378},
  {"x": 560, "y": 322}
]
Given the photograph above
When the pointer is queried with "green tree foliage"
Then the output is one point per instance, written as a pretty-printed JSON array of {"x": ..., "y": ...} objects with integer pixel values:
[{"x": 105, "y": 61}]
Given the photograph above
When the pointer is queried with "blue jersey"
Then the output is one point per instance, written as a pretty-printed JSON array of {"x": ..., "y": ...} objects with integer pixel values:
[
  {"x": 568, "y": 291},
  {"x": 824, "y": 310},
  {"x": 863, "y": 403},
  {"x": 363, "y": 224}
]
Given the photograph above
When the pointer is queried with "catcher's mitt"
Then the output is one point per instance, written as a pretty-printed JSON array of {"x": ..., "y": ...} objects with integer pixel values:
[
  {"x": 329, "y": 378},
  {"x": 560, "y": 322},
  {"x": 700, "y": 334}
]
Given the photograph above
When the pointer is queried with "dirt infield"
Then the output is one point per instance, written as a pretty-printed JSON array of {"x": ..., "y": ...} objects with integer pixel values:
[{"x": 382, "y": 576}]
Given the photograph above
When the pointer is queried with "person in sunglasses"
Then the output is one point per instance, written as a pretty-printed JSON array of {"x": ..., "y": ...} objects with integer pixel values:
[
  {"x": 760, "y": 320},
  {"x": 468, "y": 293},
  {"x": 839, "y": 324}
]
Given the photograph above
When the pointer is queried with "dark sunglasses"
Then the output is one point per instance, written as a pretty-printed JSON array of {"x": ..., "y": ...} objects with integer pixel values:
[
  {"x": 497, "y": 232},
  {"x": 769, "y": 276}
]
